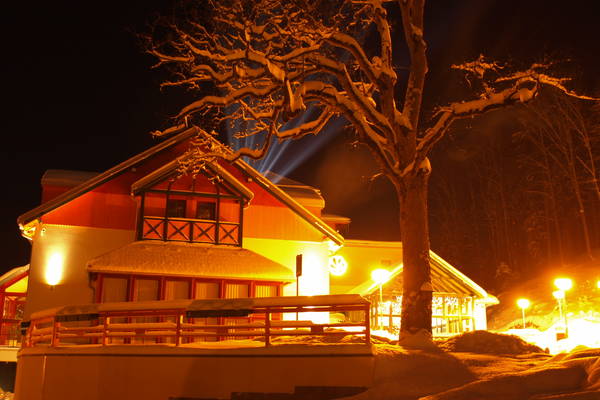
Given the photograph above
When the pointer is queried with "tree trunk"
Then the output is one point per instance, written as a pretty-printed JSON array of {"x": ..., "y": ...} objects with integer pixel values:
[{"x": 417, "y": 289}]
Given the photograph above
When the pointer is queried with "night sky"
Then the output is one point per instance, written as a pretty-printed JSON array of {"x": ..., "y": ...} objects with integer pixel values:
[{"x": 80, "y": 94}]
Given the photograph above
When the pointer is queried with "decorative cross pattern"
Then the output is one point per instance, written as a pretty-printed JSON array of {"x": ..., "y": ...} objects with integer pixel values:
[
  {"x": 153, "y": 228},
  {"x": 228, "y": 233}
]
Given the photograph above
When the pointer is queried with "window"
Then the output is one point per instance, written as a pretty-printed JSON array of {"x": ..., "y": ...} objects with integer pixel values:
[
  {"x": 205, "y": 210},
  {"x": 236, "y": 290},
  {"x": 207, "y": 290},
  {"x": 114, "y": 289},
  {"x": 175, "y": 208},
  {"x": 146, "y": 289},
  {"x": 177, "y": 289}
]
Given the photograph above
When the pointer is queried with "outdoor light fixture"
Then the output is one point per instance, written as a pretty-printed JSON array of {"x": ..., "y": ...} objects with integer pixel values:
[
  {"x": 598, "y": 284},
  {"x": 54, "y": 269},
  {"x": 523, "y": 304},
  {"x": 563, "y": 284},
  {"x": 380, "y": 276},
  {"x": 337, "y": 265}
]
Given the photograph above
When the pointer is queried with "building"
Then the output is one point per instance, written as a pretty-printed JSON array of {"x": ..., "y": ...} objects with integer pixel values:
[{"x": 143, "y": 231}]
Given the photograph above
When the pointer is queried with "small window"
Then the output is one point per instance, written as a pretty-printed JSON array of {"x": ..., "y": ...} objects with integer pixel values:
[
  {"x": 205, "y": 210},
  {"x": 175, "y": 208}
]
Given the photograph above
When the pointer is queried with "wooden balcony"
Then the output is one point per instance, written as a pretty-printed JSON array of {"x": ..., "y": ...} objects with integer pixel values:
[{"x": 191, "y": 230}]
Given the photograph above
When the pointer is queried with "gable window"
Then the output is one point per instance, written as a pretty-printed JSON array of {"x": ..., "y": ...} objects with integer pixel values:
[
  {"x": 206, "y": 210},
  {"x": 175, "y": 208},
  {"x": 192, "y": 209}
]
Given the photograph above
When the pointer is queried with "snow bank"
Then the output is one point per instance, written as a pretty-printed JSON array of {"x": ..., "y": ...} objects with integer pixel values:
[{"x": 488, "y": 343}]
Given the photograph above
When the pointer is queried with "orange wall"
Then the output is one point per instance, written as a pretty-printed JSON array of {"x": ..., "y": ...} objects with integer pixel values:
[{"x": 111, "y": 206}]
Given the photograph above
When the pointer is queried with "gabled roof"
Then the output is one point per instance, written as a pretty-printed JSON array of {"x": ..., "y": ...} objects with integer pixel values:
[
  {"x": 170, "y": 168},
  {"x": 102, "y": 178},
  {"x": 149, "y": 257},
  {"x": 13, "y": 276},
  {"x": 27, "y": 221},
  {"x": 444, "y": 278}
]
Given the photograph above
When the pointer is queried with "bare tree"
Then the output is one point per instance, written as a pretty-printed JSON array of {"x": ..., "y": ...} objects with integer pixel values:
[{"x": 273, "y": 60}]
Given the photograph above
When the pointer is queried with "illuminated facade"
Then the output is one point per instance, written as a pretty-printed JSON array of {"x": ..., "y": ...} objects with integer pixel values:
[{"x": 142, "y": 231}]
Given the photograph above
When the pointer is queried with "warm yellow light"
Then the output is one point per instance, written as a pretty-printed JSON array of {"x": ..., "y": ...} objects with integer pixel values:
[
  {"x": 337, "y": 265},
  {"x": 598, "y": 284},
  {"x": 380, "y": 276},
  {"x": 523, "y": 303},
  {"x": 54, "y": 269},
  {"x": 563, "y": 284},
  {"x": 558, "y": 294}
]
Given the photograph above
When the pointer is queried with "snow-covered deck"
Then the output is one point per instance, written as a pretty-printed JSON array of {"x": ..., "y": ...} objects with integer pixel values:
[{"x": 195, "y": 323}]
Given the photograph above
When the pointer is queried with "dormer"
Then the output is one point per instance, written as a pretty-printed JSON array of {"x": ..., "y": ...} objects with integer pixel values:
[{"x": 202, "y": 208}]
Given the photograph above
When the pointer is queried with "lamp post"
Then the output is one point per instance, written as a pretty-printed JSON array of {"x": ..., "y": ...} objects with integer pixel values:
[
  {"x": 380, "y": 276},
  {"x": 562, "y": 284},
  {"x": 523, "y": 304}
]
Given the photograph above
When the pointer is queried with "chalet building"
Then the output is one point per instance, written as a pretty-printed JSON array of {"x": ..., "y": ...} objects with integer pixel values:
[
  {"x": 141, "y": 231},
  {"x": 13, "y": 292}
]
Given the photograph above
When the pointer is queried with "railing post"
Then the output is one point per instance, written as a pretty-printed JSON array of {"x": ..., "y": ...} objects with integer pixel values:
[
  {"x": 367, "y": 324},
  {"x": 267, "y": 328},
  {"x": 55, "y": 326},
  {"x": 105, "y": 330},
  {"x": 178, "y": 329}
]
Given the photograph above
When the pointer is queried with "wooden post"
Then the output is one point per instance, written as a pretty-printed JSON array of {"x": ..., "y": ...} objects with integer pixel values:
[
  {"x": 368, "y": 324},
  {"x": 178, "y": 330},
  {"x": 105, "y": 331},
  {"x": 55, "y": 326},
  {"x": 267, "y": 328}
]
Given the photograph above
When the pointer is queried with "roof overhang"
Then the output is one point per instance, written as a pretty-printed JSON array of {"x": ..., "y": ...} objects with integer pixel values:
[
  {"x": 172, "y": 167},
  {"x": 27, "y": 221},
  {"x": 190, "y": 260}
]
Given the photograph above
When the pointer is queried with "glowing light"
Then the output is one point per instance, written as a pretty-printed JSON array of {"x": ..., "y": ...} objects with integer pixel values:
[
  {"x": 523, "y": 303},
  {"x": 563, "y": 284},
  {"x": 337, "y": 265},
  {"x": 558, "y": 294},
  {"x": 54, "y": 269},
  {"x": 380, "y": 276},
  {"x": 598, "y": 284}
]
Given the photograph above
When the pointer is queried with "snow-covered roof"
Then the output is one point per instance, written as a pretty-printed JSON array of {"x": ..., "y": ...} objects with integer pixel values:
[
  {"x": 444, "y": 279},
  {"x": 27, "y": 220},
  {"x": 67, "y": 178},
  {"x": 10, "y": 276},
  {"x": 102, "y": 178},
  {"x": 306, "y": 195},
  {"x": 190, "y": 259},
  {"x": 170, "y": 168},
  {"x": 207, "y": 304}
]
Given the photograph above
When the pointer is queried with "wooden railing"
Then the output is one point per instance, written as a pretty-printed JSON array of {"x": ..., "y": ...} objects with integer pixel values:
[
  {"x": 178, "y": 323},
  {"x": 191, "y": 230}
]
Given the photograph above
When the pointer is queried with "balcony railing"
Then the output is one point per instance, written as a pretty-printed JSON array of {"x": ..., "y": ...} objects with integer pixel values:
[
  {"x": 188, "y": 321},
  {"x": 191, "y": 230}
]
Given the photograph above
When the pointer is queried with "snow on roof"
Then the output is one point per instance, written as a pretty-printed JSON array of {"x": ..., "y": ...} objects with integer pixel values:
[
  {"x": 169, "y": 168},
  {"x": 206, "y": 304},
  {"x": 190, "y": 259},
  {"x": 68, "y": 178},
  {"x": 13, "y": 274},
  {"x": 102, "y": 178},
  {"x": 444, "y": 278},
  {"x": 306, "y": 195}
]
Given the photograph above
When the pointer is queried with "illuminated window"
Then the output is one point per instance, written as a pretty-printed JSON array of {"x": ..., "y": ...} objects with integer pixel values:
[
  {"x": 206, "y": 210},
  {"x": 175, "y": 208}
]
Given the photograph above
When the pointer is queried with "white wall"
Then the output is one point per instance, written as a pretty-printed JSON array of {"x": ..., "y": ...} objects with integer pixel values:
[
  {"x": 160, "y": 372},
  {"x": 67, "y": 248}
]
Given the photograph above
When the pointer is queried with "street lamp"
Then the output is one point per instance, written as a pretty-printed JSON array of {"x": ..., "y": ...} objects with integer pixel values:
[
  {"x": 380, "y": 276},
  {"x": 523, "y": 304},
  {"x": 563, "y": 284}
]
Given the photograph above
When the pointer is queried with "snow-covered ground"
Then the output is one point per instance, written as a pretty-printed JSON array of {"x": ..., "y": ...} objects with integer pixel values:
[
  {"x": 483, "y": 366},
  {"x": 543, "y": 318}
]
